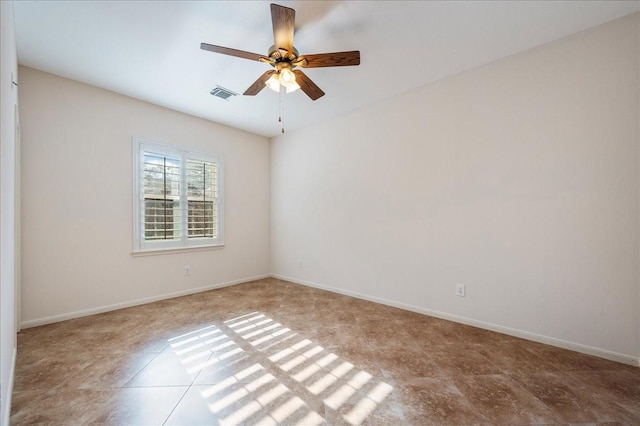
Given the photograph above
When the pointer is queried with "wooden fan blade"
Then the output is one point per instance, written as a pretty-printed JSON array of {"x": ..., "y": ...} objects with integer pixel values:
[
  {"x": 259, "y": 84},
  {"x": 336, "y": 59},
  {"x": 231, "y": 52},
  {"x": 308, "y": 86},
  {"x": 283, "y": 20}
]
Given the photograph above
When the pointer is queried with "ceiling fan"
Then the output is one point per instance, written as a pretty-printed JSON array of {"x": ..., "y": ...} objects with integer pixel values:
[{"x": 284, "y": 58}]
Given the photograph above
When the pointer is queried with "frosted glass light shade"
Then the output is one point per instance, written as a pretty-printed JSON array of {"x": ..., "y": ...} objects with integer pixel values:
[{"x": 289, "y": 81}]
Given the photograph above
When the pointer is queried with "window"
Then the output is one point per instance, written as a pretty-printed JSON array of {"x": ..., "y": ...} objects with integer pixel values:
[{"x": 177, "y": 198}]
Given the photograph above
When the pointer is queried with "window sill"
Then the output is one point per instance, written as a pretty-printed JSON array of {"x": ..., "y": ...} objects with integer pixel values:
[{"x": 176, "y": 250}]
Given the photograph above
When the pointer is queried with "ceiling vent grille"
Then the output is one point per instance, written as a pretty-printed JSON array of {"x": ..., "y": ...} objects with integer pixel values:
[{"x": 222, "y": 93}]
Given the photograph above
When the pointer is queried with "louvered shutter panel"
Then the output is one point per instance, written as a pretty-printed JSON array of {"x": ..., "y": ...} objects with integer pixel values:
[
  {"x": 162, "y": 184},
  {"x": 202, "y": 199}
]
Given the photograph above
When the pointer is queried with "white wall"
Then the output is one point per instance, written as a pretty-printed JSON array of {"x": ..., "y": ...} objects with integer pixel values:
[
  {"x": 77, "y": 201},
  {"x": 519, "y": 179},
  {"x": 8, "y": 231}
]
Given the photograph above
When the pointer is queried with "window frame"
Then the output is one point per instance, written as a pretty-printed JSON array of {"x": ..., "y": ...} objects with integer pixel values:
[{"x": 140, "y": 244}]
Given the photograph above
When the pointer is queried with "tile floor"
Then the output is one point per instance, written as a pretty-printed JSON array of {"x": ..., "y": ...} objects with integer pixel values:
[{"x": 272, "y": 352}]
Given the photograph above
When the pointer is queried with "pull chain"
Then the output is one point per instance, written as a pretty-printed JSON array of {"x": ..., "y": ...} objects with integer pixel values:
[{"x": 283, "y": 91}]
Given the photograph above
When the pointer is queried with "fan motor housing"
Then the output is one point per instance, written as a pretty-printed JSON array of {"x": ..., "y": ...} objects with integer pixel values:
[{"x": 280, "y": 55}]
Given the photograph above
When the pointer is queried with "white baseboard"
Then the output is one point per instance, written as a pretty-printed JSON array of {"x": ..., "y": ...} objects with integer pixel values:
[
  {"x": 128, "y": 304},
  {"x": 6, "y": 416},
  {"x": 577, "y": 347}
]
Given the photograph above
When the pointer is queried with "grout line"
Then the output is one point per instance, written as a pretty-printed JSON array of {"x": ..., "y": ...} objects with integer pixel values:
[
  {"x": 138, "y": 372},
  {"x": 177, "y": 403}
]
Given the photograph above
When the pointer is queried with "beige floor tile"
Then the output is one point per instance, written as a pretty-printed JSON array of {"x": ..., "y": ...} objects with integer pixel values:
[
  {"x": 502, "y": 400},
  {"x": 170, "y": 369},
  {"x": 141, "y": 406}
]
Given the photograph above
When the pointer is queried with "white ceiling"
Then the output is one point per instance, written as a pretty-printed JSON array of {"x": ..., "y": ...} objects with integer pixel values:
[{"x": 150, "y": 50}]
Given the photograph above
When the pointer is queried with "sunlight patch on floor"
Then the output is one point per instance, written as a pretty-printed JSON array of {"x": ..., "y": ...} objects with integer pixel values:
[{"x": 255, "y": 393}]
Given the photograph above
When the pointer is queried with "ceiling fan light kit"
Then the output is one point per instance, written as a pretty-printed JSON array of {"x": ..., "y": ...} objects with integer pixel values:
[
  {"x": 284, "y": 58},
  {"x": 285, "y": 77}
]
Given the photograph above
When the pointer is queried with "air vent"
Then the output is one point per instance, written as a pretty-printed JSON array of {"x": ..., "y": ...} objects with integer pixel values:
[{"x": 222, "y": 93}]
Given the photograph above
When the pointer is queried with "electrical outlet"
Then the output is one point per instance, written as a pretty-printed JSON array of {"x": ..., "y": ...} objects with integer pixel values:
[
  {"x": 460, "y": 290},
  {"x": 300, "y": 263},
  {"x": 187, "y": 270}
]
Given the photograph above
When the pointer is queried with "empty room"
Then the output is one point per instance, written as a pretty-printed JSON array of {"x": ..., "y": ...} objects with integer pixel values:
[{"x": 319, "y": 212}]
